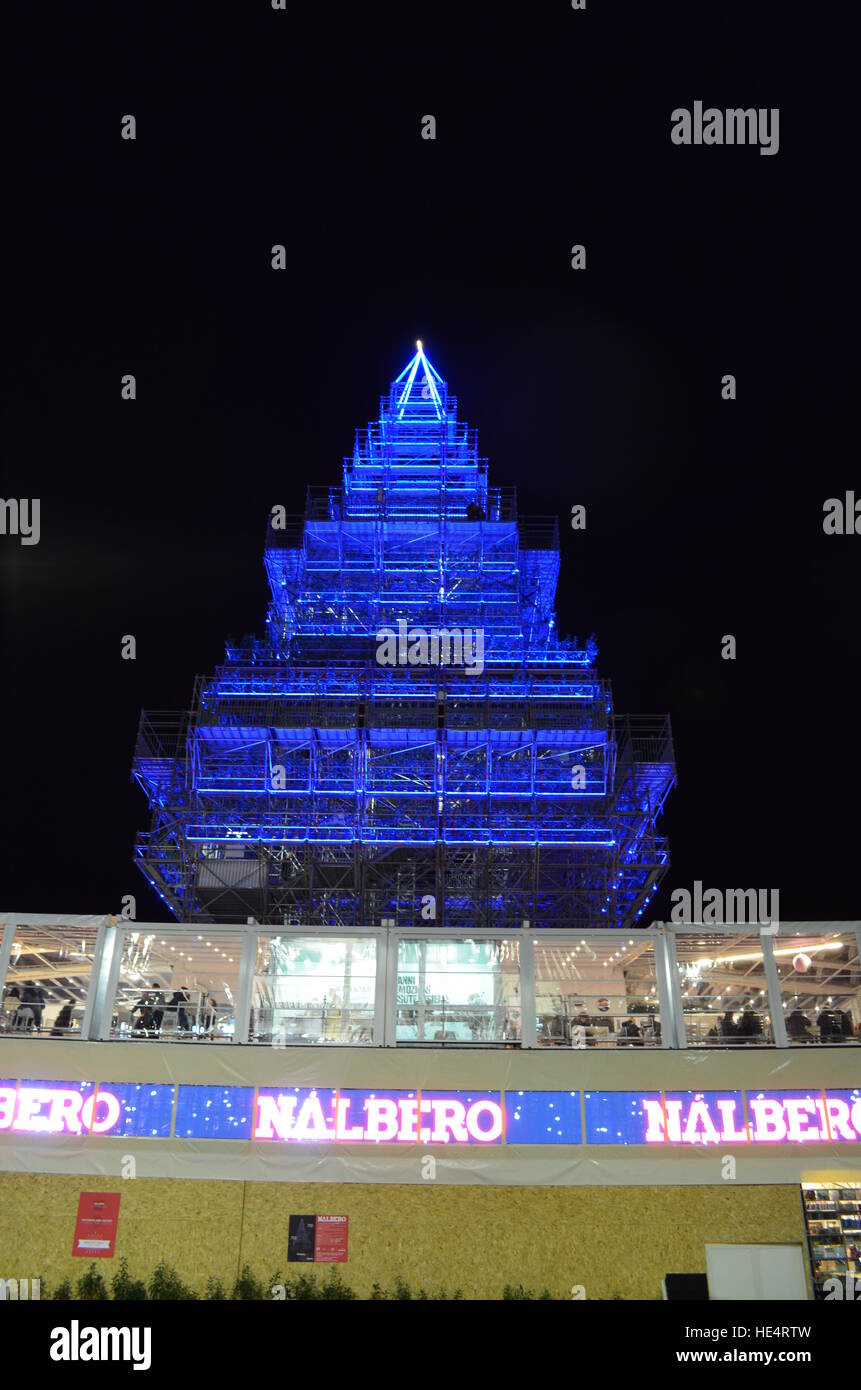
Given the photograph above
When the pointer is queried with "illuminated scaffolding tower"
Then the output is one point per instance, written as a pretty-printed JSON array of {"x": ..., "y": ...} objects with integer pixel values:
[{"x": 312, "y": 784}]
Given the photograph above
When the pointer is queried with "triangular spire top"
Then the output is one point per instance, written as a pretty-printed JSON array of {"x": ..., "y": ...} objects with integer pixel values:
[{"x": 419, "y": 366}]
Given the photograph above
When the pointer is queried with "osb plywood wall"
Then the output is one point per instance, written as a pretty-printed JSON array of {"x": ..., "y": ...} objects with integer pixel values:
[{"x": 614, "y": 1240}]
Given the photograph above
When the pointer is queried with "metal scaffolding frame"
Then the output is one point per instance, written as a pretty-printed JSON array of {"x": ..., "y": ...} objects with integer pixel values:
[{"x": 310, "y": 782}]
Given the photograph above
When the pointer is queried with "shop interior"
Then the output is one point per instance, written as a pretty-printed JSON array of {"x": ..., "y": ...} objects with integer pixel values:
[{"x": 603, "y": 990}]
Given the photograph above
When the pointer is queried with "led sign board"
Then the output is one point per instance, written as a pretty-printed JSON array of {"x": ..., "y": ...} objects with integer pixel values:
[
  {"x": 718, "y": 1117},
  {"x": 313, "y": 1115},
  {"x": 78, "y": 1107},
  {"x": 379, "y": 1117}
]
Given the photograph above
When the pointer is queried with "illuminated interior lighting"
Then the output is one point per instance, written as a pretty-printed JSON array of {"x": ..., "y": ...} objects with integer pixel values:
[{"x": 757, "y": 955}]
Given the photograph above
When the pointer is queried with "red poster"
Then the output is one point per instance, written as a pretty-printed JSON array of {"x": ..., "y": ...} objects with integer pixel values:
[
  {"x": 330, "y": 1239},
  {"x": 96, "y": 1226}
]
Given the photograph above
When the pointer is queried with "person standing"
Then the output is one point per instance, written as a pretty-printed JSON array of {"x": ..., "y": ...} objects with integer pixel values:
[
  {"x": 63, "y": 1022},
  {"x": 11, "y": 1004},
  {"x": 32, "y": 1006},
  {"x": 178, "y": 1000},
  {"x": 210, "y": 1017},
  {"x": 157, "y": 1002}
]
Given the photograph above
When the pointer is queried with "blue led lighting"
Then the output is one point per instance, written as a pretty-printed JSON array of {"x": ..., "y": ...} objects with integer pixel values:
[
  {"x": 406, "y": 391},
  {"x": 305, "y": 738}
]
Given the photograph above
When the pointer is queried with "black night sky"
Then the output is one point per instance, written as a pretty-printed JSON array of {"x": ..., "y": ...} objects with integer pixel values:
[{"x": 601, "y": 387}]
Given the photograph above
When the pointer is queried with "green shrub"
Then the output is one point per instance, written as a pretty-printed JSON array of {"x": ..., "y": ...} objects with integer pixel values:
[
  {"x": 248, "y": 1288},
  {"x": 518, "y": 1292},
  {"x": 303, "y": 1288},
  {"x": 166, "y": 1285},
  {"x": 91, "y": 1285},
  {"x": 334, "y": 1287},
  {"x": 124, "y": 1288}
]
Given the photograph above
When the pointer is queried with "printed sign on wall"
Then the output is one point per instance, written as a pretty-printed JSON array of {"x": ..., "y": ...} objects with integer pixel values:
[
  {"x": 300, "y": 1240},
  {"x": 96, "y": 1225},
  {"x": 330, "y": 1246},
  {"x": 317, "y": 1239}
]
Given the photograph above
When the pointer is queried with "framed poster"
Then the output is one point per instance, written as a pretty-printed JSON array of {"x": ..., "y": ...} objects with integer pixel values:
[
  {"x": 96, "y": 1225},
  {"x": 300, "y": 1239},
  {"x": 317, "y": 1239},
  {"x": 330, "y": 1246}
]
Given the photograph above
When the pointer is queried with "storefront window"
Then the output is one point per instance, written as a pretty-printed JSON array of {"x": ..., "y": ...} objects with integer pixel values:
[
  {"x": 47, "y": 981},
  {"x": 592, "y": 994},
  {"x": 177, "y": 986},
  {"x": 314, "y": 989},
  {"x": 458, "y": 991},
  {"x": 820, "y": 987},
  {"x": 305, "y": 986},
  {"x": 724, "y": 990}
]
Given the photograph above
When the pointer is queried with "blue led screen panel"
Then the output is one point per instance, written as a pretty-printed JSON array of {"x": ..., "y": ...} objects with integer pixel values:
[
  {"x": 214, "y": 1112},
  {"x": 543, "y": 1117},
  {"x": 146, "y": 1110},
  {"x": 620, "y": 1117}
]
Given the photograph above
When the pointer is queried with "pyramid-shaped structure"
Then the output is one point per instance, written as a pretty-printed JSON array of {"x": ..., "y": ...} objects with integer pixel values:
[{"x": 411, "y": 741}]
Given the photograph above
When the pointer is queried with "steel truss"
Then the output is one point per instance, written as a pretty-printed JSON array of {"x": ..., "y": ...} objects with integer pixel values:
[{"x": 311, "y": 783}]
